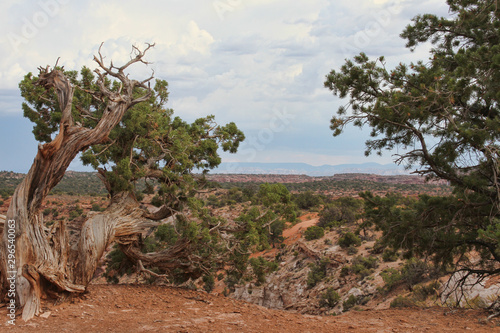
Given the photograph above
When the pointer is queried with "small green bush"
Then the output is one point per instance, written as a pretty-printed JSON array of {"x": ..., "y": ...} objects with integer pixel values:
[
  {"x": 369, "y": 262},
  {"x": 96, "y": 207},
  {"x": 166, "y": 233},
  {"x": 351, "y": 250},
  {"x": 349, "y": 302},
  {"x": 139, "y": 196},
  {"x": 414, "y": 271},
  {"x": 349, "y": 239},
  {"x": 46, "y": 211},
  {"x": 79, "y": 210},
  {"x": 73, "y": 214},
  {"x": 329, "y": 299},
  {"x": 149, "y": 245},
  {"x": 391, "y": 277},
  {"x": 314, "y": 232},
  {"x": 261, "y": 267},
  {"x": 317, "y": 272},
  {"x": 118, "y": 264},
  {"x": 208, "y": 283},
  {"x": 389, "y": 255},
  {"x": 157, "y": 201},
  {"x": 344, "y": 210},
  {"x": 345, "y": 271},
  {"x": 422, "y": 292},
  {"x": 361, "y": 266},
  {"x": 402, "y": 302}
]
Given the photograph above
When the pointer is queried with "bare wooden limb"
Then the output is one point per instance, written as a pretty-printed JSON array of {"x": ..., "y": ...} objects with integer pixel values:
[
  {"x": 162, "y": 213},
  {"x": 141, "y": 269}
]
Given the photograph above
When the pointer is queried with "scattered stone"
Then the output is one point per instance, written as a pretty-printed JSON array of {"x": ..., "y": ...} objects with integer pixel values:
[{"x": 46, "y": 314}]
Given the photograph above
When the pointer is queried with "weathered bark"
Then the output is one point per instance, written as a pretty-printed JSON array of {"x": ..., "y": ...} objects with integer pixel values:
[
  {"x": 47, "y": 259},
  {"x": 2, "y": 221},
  {"x": 176, "y": 256},
  {"x": 123, "y": 220}
]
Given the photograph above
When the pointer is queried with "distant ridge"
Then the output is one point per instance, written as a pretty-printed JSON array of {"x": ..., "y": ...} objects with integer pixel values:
[{"x": 306, "y": 169}]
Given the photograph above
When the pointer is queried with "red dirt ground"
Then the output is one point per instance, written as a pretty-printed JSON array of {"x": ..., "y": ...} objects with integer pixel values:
[{"x": 130, "y": 308}]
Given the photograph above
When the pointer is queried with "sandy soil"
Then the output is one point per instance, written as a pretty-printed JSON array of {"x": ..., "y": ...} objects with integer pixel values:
[
  {"x": 129, "y": 308},
  {"x": 293, "y": 234}
]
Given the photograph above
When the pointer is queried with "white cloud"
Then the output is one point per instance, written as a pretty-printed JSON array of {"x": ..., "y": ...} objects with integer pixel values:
[{"x": 238, "y": 60}]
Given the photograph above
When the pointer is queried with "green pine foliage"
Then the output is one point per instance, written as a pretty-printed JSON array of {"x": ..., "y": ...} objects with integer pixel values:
[{"x": 443, "y": 115}]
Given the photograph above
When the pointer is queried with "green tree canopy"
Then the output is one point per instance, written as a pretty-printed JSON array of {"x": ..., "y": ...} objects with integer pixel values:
[
  {"x": 443, "y": 114},
  {"x": 149, "y": 142},
  {"x": 148, "y": 145}
]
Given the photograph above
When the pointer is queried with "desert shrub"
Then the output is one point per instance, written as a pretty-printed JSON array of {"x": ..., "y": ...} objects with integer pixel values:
[
  {"x": 361, "y": 266},
  {"x": 364, "y": 266},
  {"x": 73, "y": 214},
  {"x": 139, "y": 195},
  {"x": 414, "y": 271},
  {"x": 166, "y": 233},
  {"x": 307, "y": 200},
  {"x": 391, "y": 277},
  {"x": 389, "y": 255},
  {"x": 157, "y": 201},
  {"x": 1, "y": 202},
  {"x": 232, "y": 278},
  {"x": 317, "y": 272},
  {"x": 349, "y": 239},
  {"x": 349, "y": 302},
  {"x": 402, "y": 302},
  {"x": 96, "y": 207},
  {"x": 118, "y": 264},
  {"x": 378, "y": 247},
  {"x": 46, "y": 211},
  {"x": 368, "y": 262},
  {"x": 422, "y": 292},
  {"x": 208, "y": 283},
  {"x": 341, "y": 211},
  {"x": 351, "y": 250},
  {"x": 261, "y": 267},
  {"x": 344, "y": 271},
  {"x": 149, "y": 245},
  {"x": 329, "y": 298},
  {"x": 314, "y": 232},
  {"x": 213, "y": 201}
]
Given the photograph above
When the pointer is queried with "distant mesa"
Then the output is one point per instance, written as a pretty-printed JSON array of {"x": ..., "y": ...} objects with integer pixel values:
[{"x": 306, "y": 169}]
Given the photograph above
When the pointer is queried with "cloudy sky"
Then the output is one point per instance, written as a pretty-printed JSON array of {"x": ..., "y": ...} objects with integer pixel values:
[{"x": 259, "y": 63}]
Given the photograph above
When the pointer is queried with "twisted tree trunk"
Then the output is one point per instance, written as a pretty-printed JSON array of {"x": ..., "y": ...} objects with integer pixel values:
[{"x": 39, "y": 260}]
